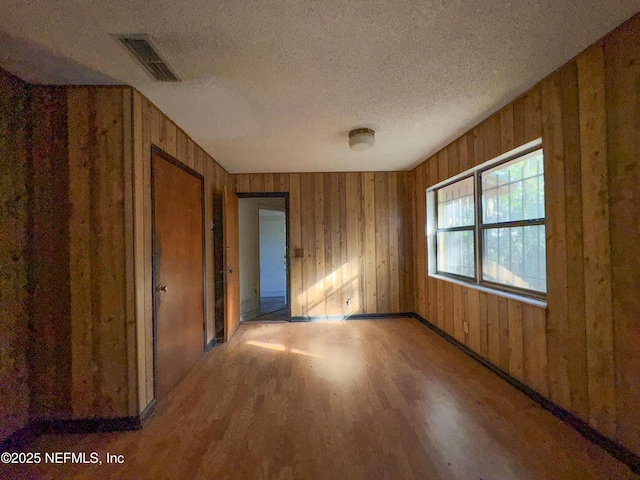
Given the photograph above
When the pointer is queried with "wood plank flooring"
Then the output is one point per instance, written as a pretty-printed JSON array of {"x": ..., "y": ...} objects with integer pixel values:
[{"x": 366, "y": 399}]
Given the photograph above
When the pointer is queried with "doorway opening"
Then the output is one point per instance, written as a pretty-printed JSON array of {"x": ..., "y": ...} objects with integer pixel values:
[{"x": 264, "y": 262}]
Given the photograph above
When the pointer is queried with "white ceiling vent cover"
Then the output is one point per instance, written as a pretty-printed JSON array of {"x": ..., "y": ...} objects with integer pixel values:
[{"x": 140, "y": 47}]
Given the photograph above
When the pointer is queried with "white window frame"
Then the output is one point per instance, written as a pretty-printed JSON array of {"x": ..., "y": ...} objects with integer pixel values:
[{"x": 532, "y": 296}]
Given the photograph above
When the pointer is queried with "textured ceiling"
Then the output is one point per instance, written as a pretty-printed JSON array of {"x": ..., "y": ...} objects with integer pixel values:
[{"x": 276, "y": 86}]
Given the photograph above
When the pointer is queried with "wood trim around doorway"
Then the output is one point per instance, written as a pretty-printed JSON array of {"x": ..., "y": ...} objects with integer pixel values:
[{"x": 284, "y": 195}]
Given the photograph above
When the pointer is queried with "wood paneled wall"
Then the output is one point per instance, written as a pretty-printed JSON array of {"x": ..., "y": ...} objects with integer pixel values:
[
  {"x": 350, "y": 226},
  {"x": 76, "y": 249},
  {"x": 152, "y": 127},
  {"x": 50, "y": 346},
  {"x": 14, "y": 175},
  {"x": 102, "y": 343},
  {"x": 79, "y": 347},
  {"x": 584, "y": 354}
]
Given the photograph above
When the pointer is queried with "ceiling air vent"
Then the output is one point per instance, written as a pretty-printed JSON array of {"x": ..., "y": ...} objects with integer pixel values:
[{"x": 140, "y": 47}]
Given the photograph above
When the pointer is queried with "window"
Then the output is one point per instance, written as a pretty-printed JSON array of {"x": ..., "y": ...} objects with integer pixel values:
[
  {"x": 456, "y": 220},
  {"x": 489, "y": 224}
]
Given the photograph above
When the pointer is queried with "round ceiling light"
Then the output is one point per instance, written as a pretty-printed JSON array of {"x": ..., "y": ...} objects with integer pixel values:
[{"x": 361, "y": 139}]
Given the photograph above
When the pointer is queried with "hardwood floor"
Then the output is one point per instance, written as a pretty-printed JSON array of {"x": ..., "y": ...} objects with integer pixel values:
[{"x": 366, "y": 399}]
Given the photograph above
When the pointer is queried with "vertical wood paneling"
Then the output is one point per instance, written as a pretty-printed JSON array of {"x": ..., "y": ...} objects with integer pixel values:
[
  {"x": 334, "y": 257},
  {"x": 341, "y": 253},
  {"x": 453, "y": 156},
  {"x": 308, "y": 234},
  {"x": 295, "y": 243},
  {"x": 404, "y": 230},
  {"x": 582, "y": 351},
  {"x": 492, "y": 138},
  {"x": 574, "y": 231},
  {"x": 463, "y": 151},
  {"x": 14, "y": 259},
  {"x": 381, "y": 228},
  {"x": 152, "y": 127},
  {"x": 516, "y": 346},
  {"x": 421, "y": 250},
  {"x": 268, "y": 182},
  {"x": 457, "y": 327},
  {"x": 493, "y": 329},
  {"x": 50, "y": 329},
  {"x": 596, "y": 246},
  {"x": 82, "y": 391},
  {"x": 473, "y": 318},
  {"x": 534, "y": 339},
  {"x": 101, "y": 246},
  {"x": 319, "y": 299},
  {"x": 484, "y": 324},
  {"x": 559, "y": 360},
  {"x": 507, "y": 132},
  {"x": 242, "y": 183},
  {"x": 351, "y": 227},
  {"x": 181, "y": 149},
  {"x": 393, "y": 235},
  {"x": 353, "y": 243},
  {"x": 368, "y": 191},
  {"x": 170, "y": 145},
  {"x": 503, "y": 320},
  {"x": 129, "y": 238},
  {"x": 478, "y": 145},
  {"x": 622, "y": 60},
  {"x": 533, "y": 111},
  {"x": 108, "y": 279},
  {"x": 446, "y": 290},
  {"x": 519, "y": 137}
]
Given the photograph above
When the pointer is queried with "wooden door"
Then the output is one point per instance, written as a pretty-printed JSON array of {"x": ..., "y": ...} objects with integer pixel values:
[
  {"x": 231, "y": 262},
  {"x": 178, "y": 270}
]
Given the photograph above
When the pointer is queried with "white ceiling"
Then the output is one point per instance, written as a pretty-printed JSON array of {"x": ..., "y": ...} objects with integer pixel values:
[{"x": 276, "y": 86}]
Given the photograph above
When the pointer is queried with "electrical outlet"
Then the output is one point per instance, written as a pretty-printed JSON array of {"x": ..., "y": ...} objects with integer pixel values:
[
  {"x": 348, "y": 301},
  {"x": 465, "y": 327}
]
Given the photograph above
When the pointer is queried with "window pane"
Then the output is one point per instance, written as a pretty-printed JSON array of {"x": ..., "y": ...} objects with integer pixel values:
[
  {"x": 514, "y": 190},
  {"x": 455, "y": 253},
  {"x": 515, "y": 256},
  {"x": 456, "y": 207}
]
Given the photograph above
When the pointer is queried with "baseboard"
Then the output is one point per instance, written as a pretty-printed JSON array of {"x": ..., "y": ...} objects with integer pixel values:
[
  {"x": 614, "y": 448},
  {"x": 358, "y": 316},
  {"x": 22, "y": 438}
]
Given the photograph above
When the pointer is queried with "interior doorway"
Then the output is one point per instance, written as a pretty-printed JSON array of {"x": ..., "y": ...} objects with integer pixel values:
[{"x": 264, "y": 272}]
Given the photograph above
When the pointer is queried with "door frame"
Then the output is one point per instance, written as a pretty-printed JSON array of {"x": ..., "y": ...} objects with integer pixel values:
[
  {"x": 157, "y": 151},
  {"x": 284, "y": 195}
]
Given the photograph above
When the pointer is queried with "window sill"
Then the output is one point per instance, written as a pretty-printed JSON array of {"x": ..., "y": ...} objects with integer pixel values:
[{"x": 512, "y": 296}]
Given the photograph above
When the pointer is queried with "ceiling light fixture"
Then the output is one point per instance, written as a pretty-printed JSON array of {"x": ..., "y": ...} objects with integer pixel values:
[{"x": 361, "y": 139}]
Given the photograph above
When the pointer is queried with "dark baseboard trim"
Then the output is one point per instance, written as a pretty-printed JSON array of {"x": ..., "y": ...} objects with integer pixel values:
[
  {"x": 22, "y": 438},
  {"x": 614, "y": 448},
  {"x": 358, "y": 316},
  {"x": 147, "y": 413},
  {"x": 90, "y": 425},
  {"x": 212, "y": 343}
]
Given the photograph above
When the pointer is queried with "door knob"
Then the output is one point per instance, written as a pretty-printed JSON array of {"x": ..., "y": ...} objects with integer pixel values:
[{"x": 161, "y": 288}]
